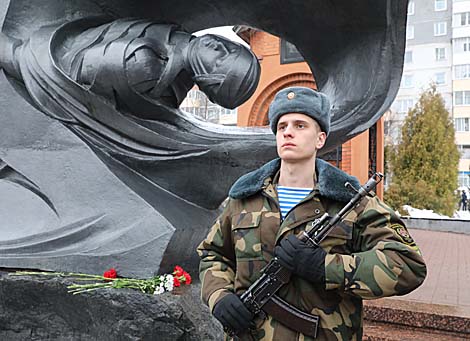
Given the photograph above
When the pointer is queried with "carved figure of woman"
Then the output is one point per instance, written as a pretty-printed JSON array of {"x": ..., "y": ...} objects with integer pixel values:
[
  {"x": 129, "y": 59},
  {"x": 117, "y": 84}
]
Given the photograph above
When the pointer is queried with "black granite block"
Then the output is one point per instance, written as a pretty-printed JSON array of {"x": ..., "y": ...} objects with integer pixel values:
[{"x": 38, "y": 308}]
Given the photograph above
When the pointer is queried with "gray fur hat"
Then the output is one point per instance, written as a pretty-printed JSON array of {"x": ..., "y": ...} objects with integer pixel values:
[{"x": 300, "y": 100}]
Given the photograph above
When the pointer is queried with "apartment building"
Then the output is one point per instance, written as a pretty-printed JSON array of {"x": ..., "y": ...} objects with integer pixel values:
[
  {"x": 461, "y": 84},
  {"x": 437, "y": 51},
  {"x": 198, "y": 104}
]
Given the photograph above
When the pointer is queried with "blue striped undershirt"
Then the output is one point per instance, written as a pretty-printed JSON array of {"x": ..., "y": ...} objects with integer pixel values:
[{"x": 290, "y": 196}]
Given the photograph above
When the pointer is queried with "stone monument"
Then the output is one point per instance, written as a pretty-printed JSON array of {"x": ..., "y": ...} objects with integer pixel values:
[{"x": 99, "y": 167}]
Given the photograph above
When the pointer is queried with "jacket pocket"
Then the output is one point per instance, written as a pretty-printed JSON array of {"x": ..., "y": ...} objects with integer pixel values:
[{"x": 247, "y": 236}]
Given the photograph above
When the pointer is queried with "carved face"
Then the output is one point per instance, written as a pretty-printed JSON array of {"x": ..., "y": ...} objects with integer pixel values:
[
  {"x": 214, "y": 53},
  {"x": 227, "y": 72}
]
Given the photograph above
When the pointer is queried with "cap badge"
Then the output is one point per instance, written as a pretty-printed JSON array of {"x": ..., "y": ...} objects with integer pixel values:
[{"x": 290, "y": 95}]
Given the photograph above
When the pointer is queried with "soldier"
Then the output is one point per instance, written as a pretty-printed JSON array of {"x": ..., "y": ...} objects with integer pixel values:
[{"x": 368, "y": 255}]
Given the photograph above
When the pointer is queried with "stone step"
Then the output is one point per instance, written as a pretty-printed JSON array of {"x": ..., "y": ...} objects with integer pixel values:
[
  {"x": 395, "y": 319},
  {"x": 377, "y": 331}
]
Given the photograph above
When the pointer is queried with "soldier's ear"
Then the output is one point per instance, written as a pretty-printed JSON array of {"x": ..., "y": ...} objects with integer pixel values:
[{"x": 321, "y": 139}]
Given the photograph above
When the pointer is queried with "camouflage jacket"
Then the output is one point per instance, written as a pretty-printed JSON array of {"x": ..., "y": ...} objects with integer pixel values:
[{"x": 369, "y": 255}]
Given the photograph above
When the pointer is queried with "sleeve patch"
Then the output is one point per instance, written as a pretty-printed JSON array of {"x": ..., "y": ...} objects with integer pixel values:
[{"x": 403, "y": 234}]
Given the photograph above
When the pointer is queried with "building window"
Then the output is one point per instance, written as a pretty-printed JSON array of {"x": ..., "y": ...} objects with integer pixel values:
[
  {"x": 440, "y": 28},
  {"x": 440, "y": 53},
  {"x": 462, "y": 45},
  {"x": 462, "y": 71},
  {"x": 198, "y": 104},
  {"x": 464, "y": 150},
  {"x": 462, "y": 97},
  {"x": 464, "y": 19},
  {"x": 440, "y": 5},
  {"x": 411, "y": 8},
  {"x": 462, "y": 124},
  {"x": 289, "y": 53},
  {"x": 409, "y": 57},
  {"x": 410, "y": 32},
  {"x": 407, "y": 81},
  {"x": 464, "y": 179},
  {"x": 440, "y": 78},
  {"x": 402, "y": 106}
]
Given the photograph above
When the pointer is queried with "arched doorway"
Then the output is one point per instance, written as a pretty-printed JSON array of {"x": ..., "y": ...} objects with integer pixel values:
[{"x": 259, "y": 111}]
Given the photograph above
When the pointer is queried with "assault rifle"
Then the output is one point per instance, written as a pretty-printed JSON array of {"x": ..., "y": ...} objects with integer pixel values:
[{"x": 261, "y": 298}]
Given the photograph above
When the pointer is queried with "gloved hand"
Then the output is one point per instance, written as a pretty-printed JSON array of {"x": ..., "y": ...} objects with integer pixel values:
[
  {"x": 305, "y": 261},
  {"x": 232, "y": 313}
]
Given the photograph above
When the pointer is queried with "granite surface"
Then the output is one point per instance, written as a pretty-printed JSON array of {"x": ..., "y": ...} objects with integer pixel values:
[
  {"x": 33, "y": 308},
  {"x": 376, "y": 331},
  {"x": 446, "y": 318},
  {"x": 39, "y": 308}
]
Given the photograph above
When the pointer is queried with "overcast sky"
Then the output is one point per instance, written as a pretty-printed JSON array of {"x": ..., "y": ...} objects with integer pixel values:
[{"x": 225, "y": 31}]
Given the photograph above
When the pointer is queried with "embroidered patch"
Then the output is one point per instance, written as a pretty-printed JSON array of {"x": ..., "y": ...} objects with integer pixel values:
[{"x": 403, "y": 234}]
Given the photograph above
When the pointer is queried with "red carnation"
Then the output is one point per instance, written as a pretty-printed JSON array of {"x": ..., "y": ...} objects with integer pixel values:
[
  {"x": 187, "y": 278},
  {"x": 178, "y": 271},
  {"x": 176, "y": 282},
  {"x": 111, "y": 273}
]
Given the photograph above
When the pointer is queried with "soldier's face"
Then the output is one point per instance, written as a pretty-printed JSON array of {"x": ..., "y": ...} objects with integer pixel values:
[{"x": 298, "y": 137}]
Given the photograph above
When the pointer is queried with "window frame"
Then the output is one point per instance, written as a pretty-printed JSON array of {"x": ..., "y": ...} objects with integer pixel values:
[
  {"x": 466, "y": 44},
  {"x": 410, "y": 32},
  {"x": 462, "y": 125},
  {"x": 438, "y": 26},
  {"x": 465, "y": 98},
  {"x": 464, "y": 150},
  {"x": 437, "y": 54},
  {"x": 444, "y": 79},
  {"x": 404, "y": 79},
  {"x": 404, "y": 105},
  {"x": 466, "y": 16},
  {"x": 464, "y": 178},
  {"x": 436, "y": 2},
  {"x": 462, "y": 69},
  {"x": 411, "y": 8},
  {"x": 409, "y": 60}
]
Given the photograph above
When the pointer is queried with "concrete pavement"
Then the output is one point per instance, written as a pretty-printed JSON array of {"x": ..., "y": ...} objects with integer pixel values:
[
  {"x": 440, "y": 308},
  {"x": 447, "y": 257}
]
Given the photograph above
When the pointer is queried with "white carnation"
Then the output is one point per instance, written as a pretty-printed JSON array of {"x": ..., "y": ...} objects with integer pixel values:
[
  {"x": 168, "y": 282},
  {"x": 159, "y": 290}
]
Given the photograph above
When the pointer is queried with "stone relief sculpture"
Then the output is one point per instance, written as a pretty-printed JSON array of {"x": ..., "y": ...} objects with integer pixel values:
[
  {"x": 99, "y": 168},
  {"x": 129, "y": 61}
]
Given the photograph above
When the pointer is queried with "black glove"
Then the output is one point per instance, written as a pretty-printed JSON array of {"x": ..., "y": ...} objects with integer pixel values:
[
  {"x": 305, "y": 261},
  {"x": 232, "y": 313}
]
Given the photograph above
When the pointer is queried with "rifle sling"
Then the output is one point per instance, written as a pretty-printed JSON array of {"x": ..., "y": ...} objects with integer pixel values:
[{"x": 291, "y": 316}]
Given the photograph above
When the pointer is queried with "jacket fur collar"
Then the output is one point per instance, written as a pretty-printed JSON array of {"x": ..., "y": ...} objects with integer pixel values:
[{"x": 331, "y": 181}]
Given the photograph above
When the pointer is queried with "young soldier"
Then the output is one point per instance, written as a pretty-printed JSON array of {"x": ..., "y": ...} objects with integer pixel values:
[{"x": 368, "y": 255}]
